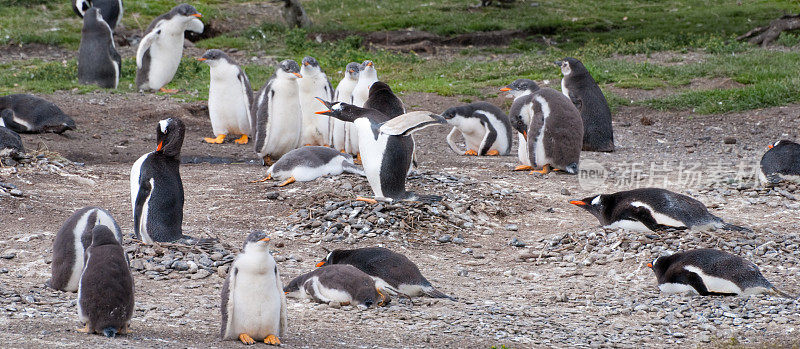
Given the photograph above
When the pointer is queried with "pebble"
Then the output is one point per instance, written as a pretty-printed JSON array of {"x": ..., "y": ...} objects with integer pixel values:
[
  {"x": 444, "y": 238},
  {"x": 8, "y": 255},
  {"x": 511, "y": 227}
]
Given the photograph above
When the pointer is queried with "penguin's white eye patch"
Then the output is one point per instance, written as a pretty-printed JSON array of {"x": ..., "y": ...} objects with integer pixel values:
[
  {"x": 596, "y": 200},
  {"x": 163, "y": 124},
  {"x": 337, "y": 106}
]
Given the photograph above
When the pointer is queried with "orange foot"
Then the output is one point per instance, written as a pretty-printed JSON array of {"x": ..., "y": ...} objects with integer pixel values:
[
  {"x": 287, "y": 182},
  {"x": 493, "y": 152},
  {"x": 246, "y": 339},
  {"x": 522, "y": 168},
  {"x": 471, "y": 152},
  {"x": 368, "y": 200},
  {"x": 342, "y": 151},
  {"x": 272, "y": 340},
  {"x": 268, "y": 177},
  {"x": 218, "y": 140},
  {"x": 357, "y": 160},
  {"x": 242, "y": 140},
  {"x": 168, "y": 90},
  {"x": 85, "y": 329},
  {"x": 545, "y": 170}
]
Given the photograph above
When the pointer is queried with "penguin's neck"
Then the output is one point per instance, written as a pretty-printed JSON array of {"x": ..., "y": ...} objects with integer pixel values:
[
  {"x": 224, "y": 71},
  {"x": 173, "y": 27}
]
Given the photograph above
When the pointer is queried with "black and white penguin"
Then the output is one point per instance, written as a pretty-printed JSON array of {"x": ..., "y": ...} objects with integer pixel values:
[
  {"x": 343, "y": 93},
  {"x": 781, "y": 162},
  {"x": 105, "y": 292},
  {"x": 366, "y": 77},
  {"x": 309, "y": 163},
  {"x": 72, "y": 240},
  {"x": 485, "y": 128},
  {"x": 161, "y": 48},
  {"x": 230, "y": 98},
  {"x": 279, "y": 119},
  {"x": 156, "y": 187},
  {"x": 98, "y": 60},
  {"x": 253, "y": 303},
  {"x": 392, "y": 271},
  {"x": 344, "y": 284},
  {"x": 651, "y": 209},
  {"x": 710, "y": 272},
  {"x": 30, "y": 114},
  {"x": 579, "y": 86},
  {"x": 520, "y": 88},
  {"x": 110, "y": 9},
  {"x": 386, "y": 147},
  {"x": 10, "y": 142},
  {"x": 313, "y": 84}
]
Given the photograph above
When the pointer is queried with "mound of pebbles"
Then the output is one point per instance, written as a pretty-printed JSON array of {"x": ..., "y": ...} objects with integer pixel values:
[{"x": 181, "y": 261}]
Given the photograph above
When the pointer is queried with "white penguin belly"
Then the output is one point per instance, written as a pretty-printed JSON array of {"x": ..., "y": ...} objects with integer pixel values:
[
  {"x": 315, "y": 126},
  {"x": 371, "y": 154},
  {"x": 257, "y": 306},
  {"x": 165, "y": 56},
  {"x": 136, "y": 170},
  {"x": 628, "y": 225},
  {"x": 285, "y": 122},
  {"x": 539, "y": 154},
  {"x": 328, "y": 294},
  {"x": 227, "y": 105},
  {"x": 77, "y": 266},
  {"x": 676, "y": 288},
  {"x": 522, "y": 151},
  {"x": 473, "y": 132}
]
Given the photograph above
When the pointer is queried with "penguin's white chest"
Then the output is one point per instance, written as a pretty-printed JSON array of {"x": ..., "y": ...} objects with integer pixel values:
[
  {"x": 285, "y": 119},
  {"x": 165, "y": 56},
  {"x": 257, "y": 305},
  {"x": 372, "y": 152},
  {"x": 315, "y": 126},
  {"x": 522, "y": 151},
  {"x": 227, "y": 102},
  {"x": 540, "y": 156},
  {"x": 473, "y": 132}
]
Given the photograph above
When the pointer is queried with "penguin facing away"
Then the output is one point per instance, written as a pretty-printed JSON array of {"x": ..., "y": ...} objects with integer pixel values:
[
  {"x": 98, "y": 60},
  {"x": 343, "y": 93},
  {"x": 341, "y": 283},
  {"x": 279, "y": 119},
  {"x": 230, "y": 98},
  {"x": 392, "y": 271},
  {"x": 105, "y": 292},
  {"x": 110, "y": 9},
  {"x": 485, "y": 128},
  {"x": 579, "y": 86},
  {"x": 555, "y": 133},
  {"x": 161, "y": 48},
  {"x": 309, "y": 163},
  {"x": 72, "y": 239},
  {"x": 253, "y": 303},
  {"x": 156, "y": 187},
  {"x": 651, "y": 209},
  {"x": 313, "y": 84},
  {"x": 781, "y": 162},
  {"x": 382, "y": 98},
  {"x": 10, "y": 142},
  {"x": 710, "y": 272},
  {"x": 366, "y": 77},
  {"x": 520, "y": 88},
  {"x": 30, "y": 114}
]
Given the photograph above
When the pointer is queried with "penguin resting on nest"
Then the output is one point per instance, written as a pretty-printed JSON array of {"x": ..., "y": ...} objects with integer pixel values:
[
  {"x": 781, "y": 162},
  {"x": 30, "y": 114},
  {"x": 485, "y": 128},
  {"x": 98, "y": 60},
  {"x": 309, "y": 163},
  {"x": 230, "y": 98},
  {"x": 343, "y": 284}
]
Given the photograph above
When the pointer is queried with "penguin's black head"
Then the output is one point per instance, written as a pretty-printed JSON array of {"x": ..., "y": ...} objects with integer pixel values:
[
  {"x": 450, "y": 113},
  {"x": 661, "y": 264},
  {"x": 259, "y": 238},
  {"x": 310, "y": 61},
  {"x": 102, "y": 235},
  {"x": 571, "y": 65},
  {"x": 93, "y": 15},
  {"x": 212, "y": 56},
  {"x": 521, "y": 85},
  {"x": 59, "y": 124},
  {"x": 518, "y": 124},
  {"x": 333, "y": 257},
  {"x": 596, "y": 205},
  {"x": 186, "y": 10},
  {"x": 289, "y": 68},
  {"x": 169, "y": 136},
  {"x": 379, "y": 88},
  {"x": 352, "y": 70}
]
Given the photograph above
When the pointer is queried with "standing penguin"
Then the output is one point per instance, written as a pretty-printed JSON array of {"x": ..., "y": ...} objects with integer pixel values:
[
  {"x": 579, "y": 86},
  {"x": 344, "y": 284},
  {"x": 517, "y": 89},
  {"x": 230, "y": 98},
  {"x": 253, "y": 303},
  {"x": 161, "y": 48},
  {"x": 314, "y": 84},
  {"x": 30, "y": 114},
  {"x": 709, "y": 272},
  {"x": 98, "y": 60},
  {"x": 10, "y": 142},
  {"x": 781, "y": 161},
  {"x": 72, "y": 240},
  {"x": 485, "y": 128},
  {"x": 343, "y": 93},
  {"x": 110, "y": 9},
  {"x": 279, "y": 119},
  {"x": 650, "y": 209},
  {"x": 105, "y": 292},
  {"x": 366, "y": 77},
  {"x": 309, "y": 163},
  {"x": 156, "y": 187}
]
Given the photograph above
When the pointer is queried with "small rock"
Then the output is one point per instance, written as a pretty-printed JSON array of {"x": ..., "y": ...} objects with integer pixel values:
[
  {"x": 516, "y": 243},
  {"x": 272, "y": 195},
  {"x": 443, "y": 239},
  {"x": 180, "y": 265},
  {"x": 15, "y": 192},
  {"x": 511, "y": 227},
  {"x": 177, "y": 313},
  {"x": 646, "y": 121},
  {"x": 334, "y": 304},
  {"x": 565, "y": 191},
  {"x": 222, "y": 271},
  {"x": 729, "y": 140},
  {"x": 9, "y": 255},
  {"x": 192, "y": 267},
  {"x": 200, "y": 274}
]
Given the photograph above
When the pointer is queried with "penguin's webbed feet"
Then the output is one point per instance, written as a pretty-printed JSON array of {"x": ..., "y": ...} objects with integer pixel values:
[
  {"x": 545, "y": 170},
  {"x": 246, "y": 339},
  {"x": 242, "y": 140},
  {"x": 167, "y": 90},
  {"x": 522, "y": 168},
  {"x": 218, "y": 140},
  {"x": 493, "y": 152},
  {"x": 287, "y": 182},
  {"x": 85, "y": 329},
  {"x": 471, "y": 152},
  {"x": 357, "y": 160},
  {"x": 272, "y": 340},
  {"x": 367, "y": 200},
  {"x": 268, "y": 177}
]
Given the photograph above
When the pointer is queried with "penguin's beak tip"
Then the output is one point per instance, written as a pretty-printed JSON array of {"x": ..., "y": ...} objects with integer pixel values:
[
  {"x": 198, "y": 15},
  {"x": 369, "y": 64},
  {"x": 323, "y": 112},
  {"x": 505, "y": 89},
  {"x": 201, "y": 59},
  {"x": 577, "y": 203},
  {"x": 160, "y": 145},
  {"x": 298, "y": 75},
  {"x": 770, "y": 146},
  {"x": 320, "y": 264},
  {"x": 649, "y": 265},
  {"x": 558, "y": 63},
  {"x": 266, "y": 239}
]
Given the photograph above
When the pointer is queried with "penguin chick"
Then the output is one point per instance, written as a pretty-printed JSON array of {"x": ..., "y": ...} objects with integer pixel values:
[
  {"x": 30, "y": 114},
  {"x": 392, "y": 271},
  {"x": 651, "y": 209},
  {"x": 105, "y": 292},
  {"x": 253, "y": 303},
  {"x": 98, "y": 60},
  {"x": 344, "y": 284},
  {"x": 110, "y": 9},
  {"x": 520, "y": 88},
  {"x": 343, "y": 93},
  {"x": 781, "y": 162},
  {"x": 485, "y": 128},
  {"x": 230, "y": 98},
  {"x": 313, "y": 84},
  {"x": 10, "y": 142},
  {"x": 309, "y": 163},
  {"x": 366, "y": 77},
  {"x": 279, "y": 119},
  {"x": 579, "y": 86},
  {"x": 710, "y": 272}
]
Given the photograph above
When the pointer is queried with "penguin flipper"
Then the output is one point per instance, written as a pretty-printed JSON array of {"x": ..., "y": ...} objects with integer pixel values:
[
  {"x": 351, "y": 168},
  {"x": 227, "y": 303},
  {"x": 733, "y": 227},
  {"x": 452, "y": 143},
  {"x": 196, "y": 26},
  {"x": 488, "y": 139},
  {"x": 144, "y": 45},
  {"x": 408, "y": 123},
  {"x": 434, "y": 293},
  {"x": 141, "y": 197}
]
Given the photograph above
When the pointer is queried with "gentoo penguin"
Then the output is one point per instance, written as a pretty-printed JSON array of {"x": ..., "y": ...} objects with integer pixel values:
[
  {"x": 277, "y": 111},
  {"x": 392, "y": 271},
  {"x": 30, "y": 114},
  {"x": 386, "y": 147},
  {"x": 579, "y": 86},
  {"x": 517, "y": 89},
  {"x": 10, "y": 142},
  {"x": 105, "y": 292},
  {"x": 313, "y": 84},
  {"x": 485, "y": 128},
  {"x": 253, "y": 303},
  {"x": 98, "y": 60},
  {"x": 72, "y": 240},
  {"x": 710, "y": 272},
  {"x": 309, "y": 163},
  {"x": 781, "y": 161},
  {"x": 382, "y": 99},
  {"x": 366, "y": 77},
  {"x": 110, "y": 9},
  {"x": 650, "y": 209},
  {"x": 343, "y": 93},
  {"x": 161, "y": 48},
  {"x": 555, "y": 132},
  {"x": 230, "y": 98},
  {"x": 156, "y": 187},
  {"x": 344, "y": 284}
]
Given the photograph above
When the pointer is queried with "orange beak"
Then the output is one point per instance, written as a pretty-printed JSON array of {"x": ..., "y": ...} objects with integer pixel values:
[
  {"x": 352, "y": 71},
  {"x": 197, "y": 15},
  {"x": 265, "y": 239},
  {"x": 770, "y": 146},
  {"x": 504, "y": 89},
  {"x": 369, "y": 64},
  {"x": 320, "y": 264},
  {"x": 160, "y": 145},
  {"x": 297, "y": 75},
  {"x": 323, "y": 112},
  {"x": 525, "y": 134},
  {"x": 305, "y": 63},
  {"x": 201, "y": 59},
  {"x": 577, "y": 203},
  {"x": 649, "y": 265}
]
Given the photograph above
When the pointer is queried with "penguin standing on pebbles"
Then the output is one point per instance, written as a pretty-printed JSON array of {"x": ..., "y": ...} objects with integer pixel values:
[
  {"x": 366, "y": 77},
  {"x": 279, "y": 119},
  {"x": 230, "y": 98},
  {"x": 313, "y": 84},
  {"x": 110, "y": 9},
  {"x": 309, "y": 163},
  {"x": 253, "y": 303},
  {"x": 343, "y": 284},
  {"x": 520, "y": 88},
  {"x": 781, "y": 161},
  {"x": 651, "y": 209},
  {"x": 98, "y": 60},
  {"x": 710, "y": 272},
  {"x": 579, "y": 86},
  {"x": 30, "y": 114},
  {"x": 485, "y": 128},
  {"x": 343, "y": 93}
]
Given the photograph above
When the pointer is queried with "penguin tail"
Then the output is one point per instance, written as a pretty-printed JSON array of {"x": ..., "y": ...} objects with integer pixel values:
[
  {"x": 110, "y": 332},
  {"x": 732, "y": 227},
  {"x": 434, "y": 293},
  {"x": 776, "y": 291},
  {"x": 572, "y": 168}
]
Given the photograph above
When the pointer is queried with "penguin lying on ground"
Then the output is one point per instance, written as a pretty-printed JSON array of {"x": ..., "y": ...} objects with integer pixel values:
[
  {"x": 651, "y": 209},
  {"x": 366, "y": 77},
  {"x": 710, "y": 272},
  {"x": 520, "y": 88},
  {"x": 309, "y": 163},
  {"x": 343, "y": 93},
  {"x": 344, "y": 284},
  {"x": 30, "y": 114},
  {"x": 105, "y": 292},
  {"x": 579, "y": 86},
  {"x": 781, "y": 161},
  {"x": 161, "y": 48},
  {"x": 313, "y": 84},
  {"x": 156, "y": 187},
  {"x": 110, "y": 9},
  {"x": 10, "y": 142},
  {"x": 485, "y": 128},
  {"x": 253, "y": 303},
  {"x": 72, "y": 240},
  {"x": 279, "y": 120},
  {"x": 392, "y": 271},
  {"x": 387, "y": 150},
  {"x": 98, "y": 60},
  {"x": 230, "y": 98}
]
